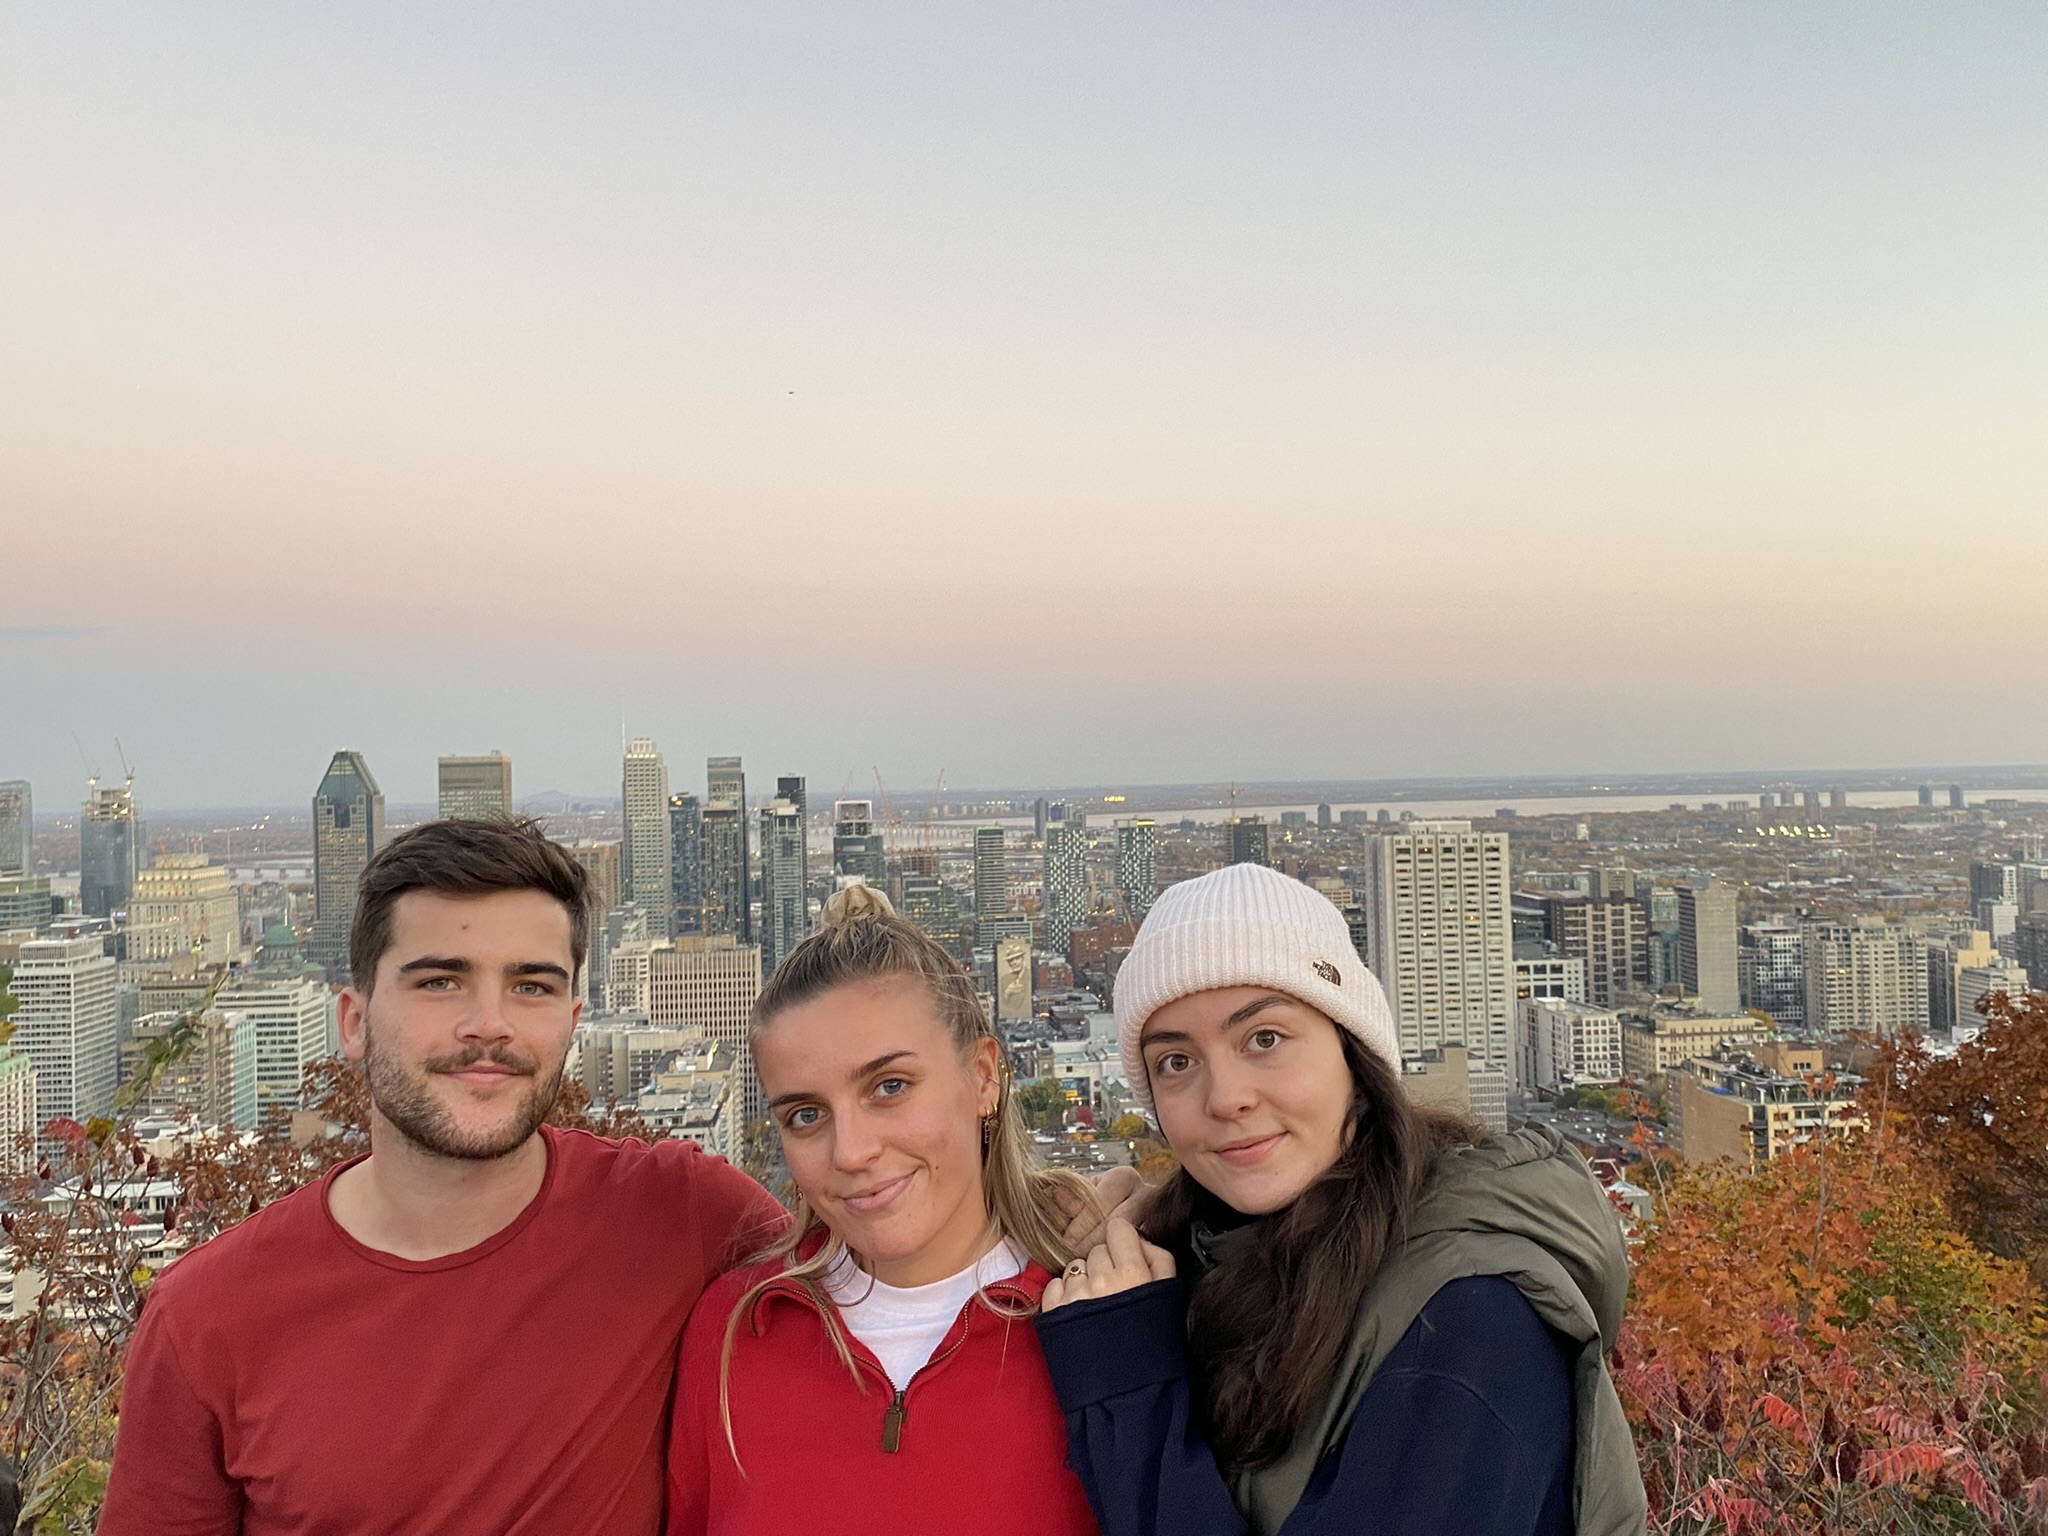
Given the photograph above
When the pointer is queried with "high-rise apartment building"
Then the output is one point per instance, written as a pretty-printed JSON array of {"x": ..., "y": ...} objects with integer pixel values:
[
  {"x": 25, "y": 902},
  {"x": 1868, "y": 975},
  {"x": 348, "y": 829},
  {"x": 991, "y": 876},
  {"x": 1706, "y": 947},
  {"x": 293, "y": 1017},
  {"x": 857, "y": 848},
  {"x": 686, "y": 839},
  {"x": 709, "y": 985},
  {"x": 1974, "y": 983},
  {"x": 68, "y": 1024},
  {"x": 109, "y": 850},
  {"x": 1771, "y": 966},
  {"x": 2030, "y": 948},
  {"x": 1250, "y": 840},
  {"x": 728, "y": 850},
  {"x": 17, "y": 829},
  {"x": 185, "y": 910},
  {"x": 476, "y": 786},
  {"x": 931, "y": 905},
  {"x": 1436, "y": 901},
  {"x": 1994, "y": 882},
  {"x": 1137, "y": 865},
  {"x": 1611, "y": 936},
  {"x": 783, "y": 918},
  {"x": 1065, "y": 890},
  {"x": 790, "y": 787},
  {"x": 647, "y": 855}
]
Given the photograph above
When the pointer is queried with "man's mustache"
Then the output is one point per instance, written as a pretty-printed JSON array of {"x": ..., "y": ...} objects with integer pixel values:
[{"x": 498, "y": 1056}]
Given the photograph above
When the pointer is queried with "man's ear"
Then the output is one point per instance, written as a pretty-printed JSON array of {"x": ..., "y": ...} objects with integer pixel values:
[{"x": 352, "y": 1023}]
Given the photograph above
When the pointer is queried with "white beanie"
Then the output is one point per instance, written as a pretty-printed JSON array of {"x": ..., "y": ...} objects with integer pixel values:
[{"x": 1248, "y": 926}]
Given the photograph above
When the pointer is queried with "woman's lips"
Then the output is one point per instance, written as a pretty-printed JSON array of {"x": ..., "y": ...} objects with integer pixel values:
[
  {"x": 1246, "y": 1154},
  {"x": 874, "y": 1198}
]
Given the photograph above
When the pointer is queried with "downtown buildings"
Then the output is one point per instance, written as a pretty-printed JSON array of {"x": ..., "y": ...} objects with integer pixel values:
[
  {"x": 647, "y": 855},
  {"x": 1440, "y": 939},
  {"x": 474, "y": 786},
  {"x": 110, "y": 849},
  {"x": 68, "y": 1024}
]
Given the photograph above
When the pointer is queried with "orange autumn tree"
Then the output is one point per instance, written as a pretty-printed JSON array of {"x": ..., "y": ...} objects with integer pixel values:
[
  {"x": 1813, "y": 1348},
  {"x": 1981, "y": 1118}
]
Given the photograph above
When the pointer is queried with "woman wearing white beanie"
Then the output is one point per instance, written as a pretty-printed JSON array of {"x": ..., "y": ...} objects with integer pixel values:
[{"x": 1347, "y": 1313}]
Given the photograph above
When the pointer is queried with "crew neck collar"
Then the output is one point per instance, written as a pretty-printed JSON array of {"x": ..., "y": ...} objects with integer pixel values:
[{"x": 483, "y": 1250}]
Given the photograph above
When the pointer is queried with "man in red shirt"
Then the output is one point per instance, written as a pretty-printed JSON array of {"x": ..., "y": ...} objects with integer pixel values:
[{"x": 474, "y": 1328}]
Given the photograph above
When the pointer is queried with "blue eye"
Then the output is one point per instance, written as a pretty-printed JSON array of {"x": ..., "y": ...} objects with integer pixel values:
[
  {"x": 803, "y": 1119},
  {"x": 890, "y": 1087}
]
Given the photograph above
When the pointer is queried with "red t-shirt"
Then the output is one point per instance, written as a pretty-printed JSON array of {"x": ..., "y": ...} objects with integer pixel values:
[{"x": 287, "y": 1379}]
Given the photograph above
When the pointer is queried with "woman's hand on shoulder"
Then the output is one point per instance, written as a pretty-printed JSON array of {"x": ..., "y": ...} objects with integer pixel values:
[{"x": 1122, "y": 1261}]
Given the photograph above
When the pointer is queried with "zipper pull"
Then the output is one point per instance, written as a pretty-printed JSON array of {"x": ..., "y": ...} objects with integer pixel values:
[{"x": 892, "y": 1425}]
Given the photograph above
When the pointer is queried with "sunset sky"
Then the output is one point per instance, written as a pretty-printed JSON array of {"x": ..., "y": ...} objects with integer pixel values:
[{"x": 1084, "y": 393}]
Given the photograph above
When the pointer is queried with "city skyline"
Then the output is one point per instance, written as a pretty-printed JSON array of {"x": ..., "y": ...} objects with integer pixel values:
[{"x": 1314, "y": 369}]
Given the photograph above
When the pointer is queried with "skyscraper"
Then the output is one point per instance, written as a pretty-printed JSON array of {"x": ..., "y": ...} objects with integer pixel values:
[
  {"x": 790, "y": 787},
  {"x": 728, "y": 850},
  {"x": 1250, "y": 840},
  {"x": 17, "y": 829},
  {"x": 1772, "y": 968},
  {"x": 348, "y": 829},
  {"x": 476, "y": 786},
  {"x": 1436, "y": 898},
  {"x": 1706, "y": 947},
  {"x": 857, "y": 847},
  {"x": 686, "y": 840},
  {"x": 647, "y": 857},
  {"x": 782, "y": 881},
  {"x": 1955, "y": 797},
  {"x": 1137, "y": 865},
  {"x": 109, "y": 850},
  {"x": 1066, "y": 882},
  {"x": 68, "y": 1025},
  {"x": 991, "y": 879}
]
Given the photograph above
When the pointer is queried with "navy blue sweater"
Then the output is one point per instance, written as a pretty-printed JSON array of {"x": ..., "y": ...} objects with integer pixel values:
[{"x": 1465, "y": 1429}]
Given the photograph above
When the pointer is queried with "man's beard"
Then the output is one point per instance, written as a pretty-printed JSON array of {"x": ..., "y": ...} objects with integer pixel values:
[{"x": 405, "y": 1097}]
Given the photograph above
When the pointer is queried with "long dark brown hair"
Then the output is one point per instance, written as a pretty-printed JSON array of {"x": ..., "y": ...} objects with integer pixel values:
[{"x": 1267, "y": 1325}]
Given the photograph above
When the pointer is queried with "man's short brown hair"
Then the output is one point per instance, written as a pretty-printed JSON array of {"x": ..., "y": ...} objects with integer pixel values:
[{"x": 464, "y": 856}]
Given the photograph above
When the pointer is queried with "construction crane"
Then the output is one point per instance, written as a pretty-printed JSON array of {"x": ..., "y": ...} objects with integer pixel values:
[{"x": 889, "y": 815}]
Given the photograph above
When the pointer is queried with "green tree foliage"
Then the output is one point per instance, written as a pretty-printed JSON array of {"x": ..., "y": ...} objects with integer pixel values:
[{"x": 1043, "y": 1102}]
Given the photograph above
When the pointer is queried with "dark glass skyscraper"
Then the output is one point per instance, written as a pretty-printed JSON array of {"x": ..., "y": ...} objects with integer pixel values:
[
  {"x": 17, "y": 829},
  {"x": 725, "y": 872},
  {"x": 348, "y": 827},
  {"x": 109, "y": 849},
  {"x": 686, "y": 834}
]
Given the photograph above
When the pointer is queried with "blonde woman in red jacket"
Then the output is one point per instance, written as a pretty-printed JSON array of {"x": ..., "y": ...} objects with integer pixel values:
[{"x": 876, "y": 1370}]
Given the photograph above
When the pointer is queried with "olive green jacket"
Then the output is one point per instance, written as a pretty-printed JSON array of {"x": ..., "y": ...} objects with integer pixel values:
[{"x": 1526, "y": 1207}]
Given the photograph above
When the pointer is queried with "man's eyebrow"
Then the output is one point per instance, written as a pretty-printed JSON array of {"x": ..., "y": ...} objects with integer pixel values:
[
  {"x": 436, "y": 963},
  {"x": 536, "y": 968}
]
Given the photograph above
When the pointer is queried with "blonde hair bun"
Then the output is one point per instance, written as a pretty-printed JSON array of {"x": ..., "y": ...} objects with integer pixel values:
[{"x": 854, "y": 904}]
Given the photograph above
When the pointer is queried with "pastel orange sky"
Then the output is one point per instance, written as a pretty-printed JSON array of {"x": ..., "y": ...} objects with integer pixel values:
[{"x": 1046, "y": 393}]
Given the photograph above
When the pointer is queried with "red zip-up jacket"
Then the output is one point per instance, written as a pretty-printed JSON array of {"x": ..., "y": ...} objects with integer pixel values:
[{"x": 975, "y": 1443}]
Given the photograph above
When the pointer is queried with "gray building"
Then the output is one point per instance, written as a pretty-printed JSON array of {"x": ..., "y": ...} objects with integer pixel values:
[
  {"x": 109, "y": 849},
  {"x": 1706, "y": 947},
  {"x": 1137, "y": 865},
  {"x": 1065, "y": 891},
  {"x": 783, "y": 918},
  {"x": 857, "y": 848},
  {"x": 1249, "y": 841},
  {"x": 1771, "y": 969},
  {"x": 474, "y": 786},
  {"x": 647, "y": 857},
  {"x": 991, "y": 878},
  {"x": 17, "y": 829},
  {"x": 726, "y": 909},
  {"x": 348, "y": 829}
]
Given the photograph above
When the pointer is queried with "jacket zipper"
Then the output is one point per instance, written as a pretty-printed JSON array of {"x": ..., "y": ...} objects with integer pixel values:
[{"x": 894, "y": 1415}]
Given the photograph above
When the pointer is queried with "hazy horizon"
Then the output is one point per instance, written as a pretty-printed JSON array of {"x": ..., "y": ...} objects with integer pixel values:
[{"x": 1036, "y": 393}]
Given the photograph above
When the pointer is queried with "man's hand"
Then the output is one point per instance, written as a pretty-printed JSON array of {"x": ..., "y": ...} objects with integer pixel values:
[
  {"x": 1122, "y": 1262},
  {"x": 1118, "y": 1192}
]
